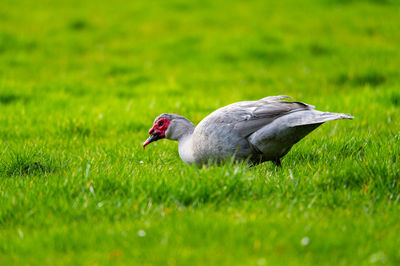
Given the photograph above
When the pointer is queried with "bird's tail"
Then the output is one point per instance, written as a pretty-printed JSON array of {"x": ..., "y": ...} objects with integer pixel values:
[{"x": 317, "y": 117}]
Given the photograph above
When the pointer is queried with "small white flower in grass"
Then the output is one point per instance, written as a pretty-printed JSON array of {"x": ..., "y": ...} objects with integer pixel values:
[
  {"x": 141, "y": 162},
  {"x": 20, "y": 233},
  {"x": 305, "y": 241},
  {"x": 87, "y": 170},
  {"x": 141, "y": 233},
  {"x": 261, "y": 261},
  {"x": 378, "y": 257}
]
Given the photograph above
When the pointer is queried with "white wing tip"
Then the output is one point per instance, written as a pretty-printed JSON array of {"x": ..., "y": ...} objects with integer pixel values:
[
  {"x": 341, "y": 116},
  {"x": 275, "y": 98},
  {"x": 345, "y": 116}
]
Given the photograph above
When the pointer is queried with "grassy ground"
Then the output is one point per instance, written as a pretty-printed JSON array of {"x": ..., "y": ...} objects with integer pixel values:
[{"x": 81, "y": 82}]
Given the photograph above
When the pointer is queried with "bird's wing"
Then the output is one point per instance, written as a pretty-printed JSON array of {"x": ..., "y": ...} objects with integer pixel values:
[{"x": 249, "y": 116}]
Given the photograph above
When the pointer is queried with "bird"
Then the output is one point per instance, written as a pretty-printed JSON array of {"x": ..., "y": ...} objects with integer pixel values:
[{"x": 251, "y": 131}]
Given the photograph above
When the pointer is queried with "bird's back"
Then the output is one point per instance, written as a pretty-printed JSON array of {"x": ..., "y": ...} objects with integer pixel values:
[{"x": 260, "y": 130}]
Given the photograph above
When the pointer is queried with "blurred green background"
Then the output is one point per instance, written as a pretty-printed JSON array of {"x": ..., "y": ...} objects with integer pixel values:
[{"x": 80, "y": 85}]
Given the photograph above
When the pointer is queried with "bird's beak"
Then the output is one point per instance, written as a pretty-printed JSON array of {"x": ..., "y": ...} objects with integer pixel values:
[{"x": 151, "y": 139}]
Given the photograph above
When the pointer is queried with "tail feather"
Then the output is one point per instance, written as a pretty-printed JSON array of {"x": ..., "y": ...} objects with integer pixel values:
[{"x": 317, "y": 117}]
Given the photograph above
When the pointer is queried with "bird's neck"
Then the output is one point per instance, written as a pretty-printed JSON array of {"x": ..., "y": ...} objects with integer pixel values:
[
  {"x": 185, "y": 148},
  {"x": 181, "y": 130},
  {"x": 187, "y": 134}
]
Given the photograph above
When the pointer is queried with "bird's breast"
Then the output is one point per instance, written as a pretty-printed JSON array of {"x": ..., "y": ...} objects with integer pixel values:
[{"x": 186, "y": 150}]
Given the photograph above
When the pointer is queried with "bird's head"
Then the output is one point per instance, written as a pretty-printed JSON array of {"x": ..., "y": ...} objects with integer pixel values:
[
  {"x": 158, "y": 130},
  {"x": 169, "y": 126}
]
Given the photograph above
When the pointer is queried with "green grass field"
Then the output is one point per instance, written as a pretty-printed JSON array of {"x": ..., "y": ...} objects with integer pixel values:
[{"x": 82, "y": 81}]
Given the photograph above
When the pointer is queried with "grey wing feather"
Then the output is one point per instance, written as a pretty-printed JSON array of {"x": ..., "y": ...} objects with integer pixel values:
[
  {"x": 276, "y": 138},
  {"x": 265, "y": 113},
  {"x": 249, "y": 116}
]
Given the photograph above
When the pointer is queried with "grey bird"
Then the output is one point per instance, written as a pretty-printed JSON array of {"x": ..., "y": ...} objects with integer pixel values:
[{"x": 254, "y": 131}]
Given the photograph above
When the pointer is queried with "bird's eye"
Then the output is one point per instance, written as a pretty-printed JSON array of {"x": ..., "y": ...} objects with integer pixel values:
[{"x": 160, "y": 123}]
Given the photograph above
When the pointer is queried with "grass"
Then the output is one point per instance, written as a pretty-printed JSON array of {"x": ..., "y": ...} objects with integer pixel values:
[{"x": 82, "y": 81}]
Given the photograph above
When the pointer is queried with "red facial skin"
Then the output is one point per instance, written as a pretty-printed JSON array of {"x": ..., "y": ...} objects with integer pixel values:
[{"x": 157, "y": 131}]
